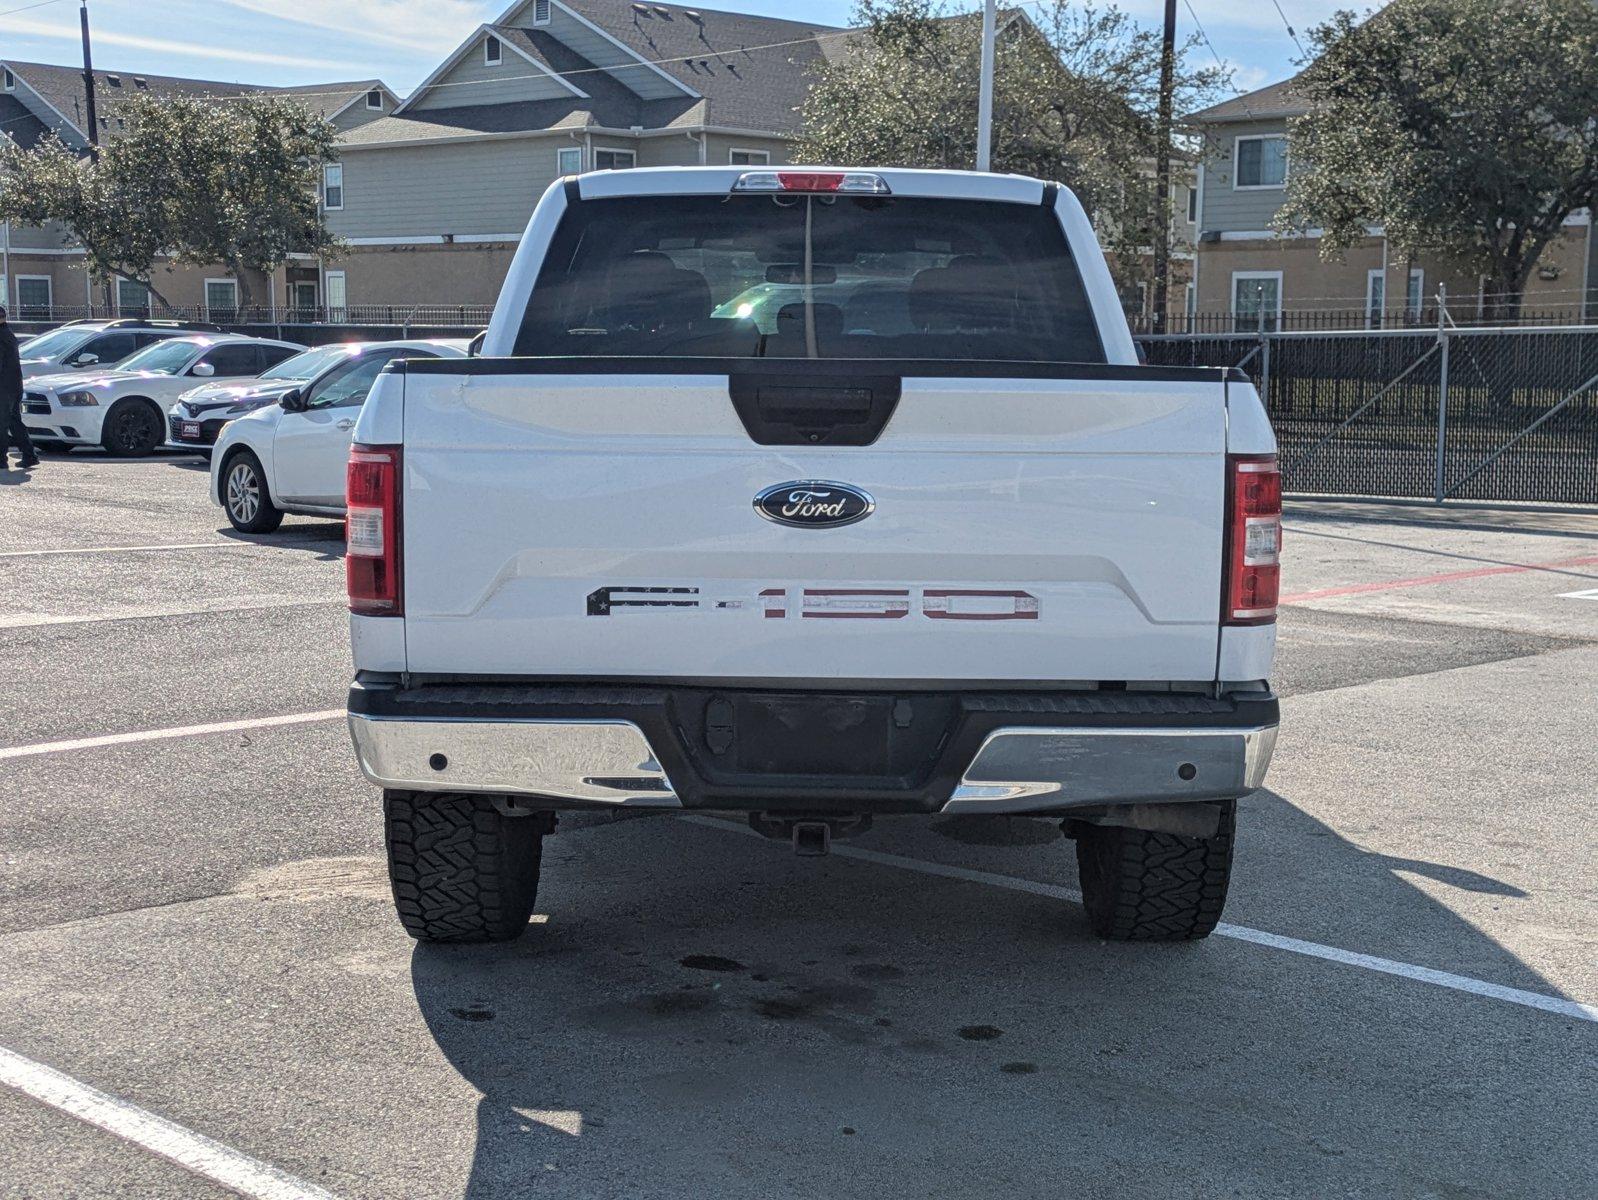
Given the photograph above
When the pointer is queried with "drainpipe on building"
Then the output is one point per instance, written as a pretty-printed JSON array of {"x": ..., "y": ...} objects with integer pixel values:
[
  {"x": 5, "y": 260},
  {"x": 704, "y": 153},
  {"x": 1383, "y": 317}
]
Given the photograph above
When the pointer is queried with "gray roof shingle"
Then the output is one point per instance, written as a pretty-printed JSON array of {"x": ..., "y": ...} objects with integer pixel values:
[
  {"x": 1272, "y": 102},
  {"x": 62, "y": 88}
]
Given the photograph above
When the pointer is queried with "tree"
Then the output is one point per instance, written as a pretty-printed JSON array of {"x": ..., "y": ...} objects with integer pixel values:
[
  {"x": 1462, "y": 127},
  {"x": 117, "y": 211},
  {"x": 199, "y": 180},
  {"x": 252, "y": 177},
  {"x": 1076, "y": 91}
]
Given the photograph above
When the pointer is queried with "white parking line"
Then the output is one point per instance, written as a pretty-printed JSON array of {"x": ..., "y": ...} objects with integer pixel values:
[
  {"x": 1241, "y": 933},
  {"x": 177, "y": 731},
  {"x": 213, "y": 544},
  {"x": 38, "y": 620},
  {"x": 192, "y": 1151}
]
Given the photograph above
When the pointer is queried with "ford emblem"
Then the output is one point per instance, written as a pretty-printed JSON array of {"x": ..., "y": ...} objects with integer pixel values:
[{"x": 814, "y": 503}]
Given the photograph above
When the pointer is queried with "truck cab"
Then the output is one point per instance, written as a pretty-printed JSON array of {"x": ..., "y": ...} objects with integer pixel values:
[{"x": 814, "y": 496}]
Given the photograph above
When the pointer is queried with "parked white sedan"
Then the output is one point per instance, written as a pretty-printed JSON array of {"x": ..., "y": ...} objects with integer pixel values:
[
  {"x": 124, "y": 410},
  {"x": 290, "y": 457}
]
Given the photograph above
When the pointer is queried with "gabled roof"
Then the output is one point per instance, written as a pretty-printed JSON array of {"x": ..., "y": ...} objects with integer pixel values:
[
  {"x": 704, "y": 67},
  {"x": 753, "y": 72},
  {"x": 19, "y": 124},
  {"x": 62, "y": 89},
  {"x": 1273, "y": 102}
]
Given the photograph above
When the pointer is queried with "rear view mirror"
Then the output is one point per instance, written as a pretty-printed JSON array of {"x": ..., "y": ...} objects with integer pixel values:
[{"x": 292, "y": 400}]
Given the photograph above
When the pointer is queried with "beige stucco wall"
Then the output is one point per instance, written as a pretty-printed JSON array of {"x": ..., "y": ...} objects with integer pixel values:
[
  {"x": 69, "y": 284},
  {"x": 430, "y": 274},
  {"x": 1312, "y": 283}
]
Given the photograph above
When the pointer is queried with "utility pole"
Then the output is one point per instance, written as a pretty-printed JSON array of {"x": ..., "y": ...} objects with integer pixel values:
[
  {"x": 88, "y": 76},
  {"x": 1162, "y": 171},
  {"x": 985, "y": 90}
]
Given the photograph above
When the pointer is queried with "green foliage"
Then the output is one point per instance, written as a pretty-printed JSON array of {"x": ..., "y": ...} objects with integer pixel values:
[
  {"x": 204, "y": 181},
  {"x": 1463, "y": 127},
  {"x": 1075, "y": 95}
]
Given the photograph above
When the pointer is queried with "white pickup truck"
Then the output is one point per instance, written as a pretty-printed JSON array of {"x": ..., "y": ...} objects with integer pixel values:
[{"x": 812, "y": 495}]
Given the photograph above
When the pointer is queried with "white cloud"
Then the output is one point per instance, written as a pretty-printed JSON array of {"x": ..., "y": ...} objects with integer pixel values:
[
  {"x": 102, "y": 37},
  {"x": 436, "y": 26}
]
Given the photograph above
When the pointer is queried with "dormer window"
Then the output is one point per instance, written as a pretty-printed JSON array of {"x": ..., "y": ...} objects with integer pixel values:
[
  {"x": 374, "y": 100},
  {"x": 493, "y": 52},
  {"x": 11, "y": 81},
  {"x": 114, "y": 80},
  {"x": 540, "y": 12}
]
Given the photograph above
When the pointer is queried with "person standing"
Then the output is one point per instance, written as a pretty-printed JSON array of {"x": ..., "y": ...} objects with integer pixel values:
[{"x": 12, "y": 430}]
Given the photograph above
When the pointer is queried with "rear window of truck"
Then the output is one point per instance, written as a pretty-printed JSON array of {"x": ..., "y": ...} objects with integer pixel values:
[{"x": 810, "y": 276}]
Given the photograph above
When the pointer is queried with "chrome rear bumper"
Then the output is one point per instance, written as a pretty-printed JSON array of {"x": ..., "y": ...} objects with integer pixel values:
[{"x": 1020, "y": 769}]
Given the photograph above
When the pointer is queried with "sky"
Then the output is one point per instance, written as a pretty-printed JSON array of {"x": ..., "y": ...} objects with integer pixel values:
[{"x": 400, "y": 41}]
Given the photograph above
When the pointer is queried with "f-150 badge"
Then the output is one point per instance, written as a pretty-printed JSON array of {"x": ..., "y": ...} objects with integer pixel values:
[{"x": 814, "y": 504}]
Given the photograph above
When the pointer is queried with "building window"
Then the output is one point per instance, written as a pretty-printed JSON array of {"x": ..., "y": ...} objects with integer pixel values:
[
  {"x": 492, "y": 51},
  {"x": 133, "y": 298},
  {"x": 1415, "y": 293},
  {"x": 1261, "y": 161},
  {"x": 748, "y": 158},
  {"x": 1192, "y": 205},
  {"x": 540, "y": 12},
  {"x": 1375, "y": 298},
  {"x": 1256, "y": 301},
  {"x": 569, "y": 160},
  {"x": 33, "y": 297},
  {"x": 338, "y": 296},
  {"x": 614, "y": 160},
  {"x": 333, "y": 186},
  {"x": 374, "y": 100},
  {"x": 221, "y": 299},
  {"x": 11, "y": 81}
]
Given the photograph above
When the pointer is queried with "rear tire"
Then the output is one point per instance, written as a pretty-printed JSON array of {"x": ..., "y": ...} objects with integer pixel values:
[
  {"x": 462, "y": 871},
  {"x": 133, "y": 429},
  {"x": 1142, "y": 886},
  {"x": 245, "y": 497}
]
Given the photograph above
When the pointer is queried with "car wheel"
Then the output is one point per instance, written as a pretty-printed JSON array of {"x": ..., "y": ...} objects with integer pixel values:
[
  {"x": 132, "y": 429},
  {"x": 462, "y": 870},
  {"x": 1139, "y": 885},
  {"x": 245, "y": 497}
]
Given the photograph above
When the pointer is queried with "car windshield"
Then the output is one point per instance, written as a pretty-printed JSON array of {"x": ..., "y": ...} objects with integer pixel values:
[
  {"x": 57, "y": 341},
  {"x": 163, "y": 358},
  {"x": 810, "y": 276},
  {"x": 309, "y": 363}
]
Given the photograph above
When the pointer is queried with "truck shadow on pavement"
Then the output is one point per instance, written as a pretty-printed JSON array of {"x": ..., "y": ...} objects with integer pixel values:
[{"x": 702, "y": 1014}]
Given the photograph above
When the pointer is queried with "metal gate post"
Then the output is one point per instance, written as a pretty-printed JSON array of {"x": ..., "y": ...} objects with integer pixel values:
[
  {"x": 1265, "y": 368},
  {"x": 1442, "y": 388}
]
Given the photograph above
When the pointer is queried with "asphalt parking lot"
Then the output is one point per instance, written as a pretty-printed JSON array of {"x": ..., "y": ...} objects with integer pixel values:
[{"x": 196, "y": 924}]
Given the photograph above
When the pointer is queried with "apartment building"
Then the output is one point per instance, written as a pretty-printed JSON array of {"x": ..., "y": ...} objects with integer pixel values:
[
  {"x": 42, "y": 271},
  {"x": 1248, "y": 275}
]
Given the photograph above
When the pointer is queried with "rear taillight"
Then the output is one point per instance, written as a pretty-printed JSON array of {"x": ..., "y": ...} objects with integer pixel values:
[
  {"x": 372, "y": 531},
  {"x": 1253, "y": 539}
]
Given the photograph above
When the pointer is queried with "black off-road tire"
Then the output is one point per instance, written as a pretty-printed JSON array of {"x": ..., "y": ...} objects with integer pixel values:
[
  {"x": 1142, "y": 886},
  {"x": 134, "y": 428},
  {"x": 462, "y": 871}
]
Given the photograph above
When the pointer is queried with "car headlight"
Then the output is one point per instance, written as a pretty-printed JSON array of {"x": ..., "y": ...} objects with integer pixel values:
[
  {"x": 247, "y": 406},
  {"x": 77, "y": 400}
]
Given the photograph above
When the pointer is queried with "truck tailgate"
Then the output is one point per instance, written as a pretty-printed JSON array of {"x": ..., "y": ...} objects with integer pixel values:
[{"x": 603, "y": 525}]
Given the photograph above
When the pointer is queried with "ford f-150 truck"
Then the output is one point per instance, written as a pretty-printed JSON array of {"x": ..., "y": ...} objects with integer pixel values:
[{"x": 905, "y": 530}]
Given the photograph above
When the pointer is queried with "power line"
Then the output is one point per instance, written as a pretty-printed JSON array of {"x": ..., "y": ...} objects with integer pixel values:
[
  {"x": 1289, "y": 24},
  {"x": 26, "y": 7}
]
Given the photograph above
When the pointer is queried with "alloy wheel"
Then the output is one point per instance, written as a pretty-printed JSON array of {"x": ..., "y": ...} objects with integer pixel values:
[{"x": 243, "y": 492}]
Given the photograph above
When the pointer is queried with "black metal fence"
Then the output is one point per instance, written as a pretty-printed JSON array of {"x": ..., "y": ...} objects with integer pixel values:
[
  {"x": 1445, "y": 413},
  {"x": 409, "y": 317}
]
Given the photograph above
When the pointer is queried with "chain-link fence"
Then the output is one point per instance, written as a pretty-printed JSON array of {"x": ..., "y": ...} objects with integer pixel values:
[{"x": 1446, "y": 413}]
